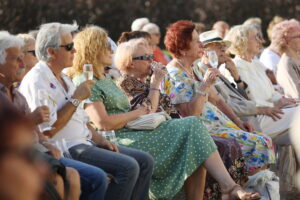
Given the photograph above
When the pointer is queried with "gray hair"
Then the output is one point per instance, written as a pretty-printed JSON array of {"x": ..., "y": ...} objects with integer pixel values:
[
  {"x": 150, "y": 28},
  {"x": 49, "y": 36},
  {"x": 28, "y": 40},
  {"x": 7, "y": 41},
  {"x": 138, "y": 24}
]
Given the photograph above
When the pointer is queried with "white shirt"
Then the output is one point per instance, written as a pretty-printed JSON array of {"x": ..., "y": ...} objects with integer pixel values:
[
  {"x": 270, "y": 59},
  {"x": 41, "y": 77},
  {"x": 260, "y": 87}
]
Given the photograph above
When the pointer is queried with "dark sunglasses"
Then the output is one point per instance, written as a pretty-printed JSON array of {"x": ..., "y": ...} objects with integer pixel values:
[
  {"x": 32, "y": 52},
  {"x": 144, "y": 57},
  {"x": 68, "y": 47}
]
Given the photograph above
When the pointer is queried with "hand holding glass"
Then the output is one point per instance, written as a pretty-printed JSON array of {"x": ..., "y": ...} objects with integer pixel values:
[
  {"x": 43, "y": 97},
  {"x": 110, "y": 135},
  {"x": 88, "y": 71},
  {"x": 214, "y": 62}
]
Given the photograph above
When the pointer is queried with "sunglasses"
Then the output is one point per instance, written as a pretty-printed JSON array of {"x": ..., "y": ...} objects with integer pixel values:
[
  {"x": 32, "y": 52},
  {"x": 68, "y": 47},
  {"x": 144, "y": 57}
]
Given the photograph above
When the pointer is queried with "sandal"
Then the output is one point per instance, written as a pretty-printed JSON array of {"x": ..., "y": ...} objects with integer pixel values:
[{"x": 231, "y": 195}]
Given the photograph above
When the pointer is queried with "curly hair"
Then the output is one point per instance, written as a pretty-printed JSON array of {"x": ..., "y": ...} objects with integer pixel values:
[
  {"x": 238, "y": 36},
  {"x": 90, "y": 45},
  {"x": 179, "y": 36},
  {"x": 281, "y": 30}
]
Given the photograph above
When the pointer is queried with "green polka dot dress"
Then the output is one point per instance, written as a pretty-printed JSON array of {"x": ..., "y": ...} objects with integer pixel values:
[{"x": 178, "y": 146}]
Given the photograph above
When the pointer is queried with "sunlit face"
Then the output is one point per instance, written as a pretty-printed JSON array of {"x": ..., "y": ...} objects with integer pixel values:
[
  {"x": 155, "y": 36},
  {"x": 21, "y": 178},
  {"x": 62, "y": 55},
  {"x": 196, "y": 48},
  {"x": 13, "y": 70},
  {"x": 29, "y": 56},
  {"x": 142, "y": 68},
  {"x": 253, "y": 45},
  {"x": 106, "y": 59},
  {"x": 219, "y": 48}
]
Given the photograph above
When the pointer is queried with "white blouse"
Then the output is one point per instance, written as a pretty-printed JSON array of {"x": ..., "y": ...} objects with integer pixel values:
[{"x": 260, "y": 88}]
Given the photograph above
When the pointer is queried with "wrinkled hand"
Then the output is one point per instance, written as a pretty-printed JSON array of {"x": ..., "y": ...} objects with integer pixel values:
[
  {"x": 83, "y": 91},
  {"x": 245, "y": 126},
  {"x": 211, "y": 76},
  {"x": 105, "y": 144},
  {"x": 229, "y": 64},
  {"x": 41, "y": 114},
  {"x": 284, "y": 102},
  {"x": 273, "y": 112},
  {"x": 159, "y": 72},
  {"x": 55, "y": 152}
]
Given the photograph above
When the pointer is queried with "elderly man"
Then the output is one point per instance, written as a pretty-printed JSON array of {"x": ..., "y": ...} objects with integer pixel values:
[
  {"x": 132, "y": 169},
  {"x": 93, "y": 180},
  {"x": 270, "y": 120}
]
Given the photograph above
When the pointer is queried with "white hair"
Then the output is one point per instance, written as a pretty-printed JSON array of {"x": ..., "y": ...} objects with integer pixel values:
[
  {"x": 126, "y": 50},
  {"x": 150, "y": 28},
  {"x": 138, "y": 23},
  {"x": 27, "y": 38},
  {"x": 49, "y": 36},
  {"x": 7, "y": 41}
]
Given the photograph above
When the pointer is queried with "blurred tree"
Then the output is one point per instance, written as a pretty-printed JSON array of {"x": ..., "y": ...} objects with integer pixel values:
[{"x": 116, "y": 15}]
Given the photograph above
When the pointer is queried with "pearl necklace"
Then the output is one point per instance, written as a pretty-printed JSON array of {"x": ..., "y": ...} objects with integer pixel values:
[{"x": 190, "y": 74}]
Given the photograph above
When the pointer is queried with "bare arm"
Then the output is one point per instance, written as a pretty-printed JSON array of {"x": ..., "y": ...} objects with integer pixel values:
[
  {"x": 104, "y": 121},
  {"x": 195, "y": 106}
]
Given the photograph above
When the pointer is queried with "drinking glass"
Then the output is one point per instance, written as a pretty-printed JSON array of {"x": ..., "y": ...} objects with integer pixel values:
[
  {"x": 110, "y": 135},
  {"x": 213, "y": 61},
  {"x": 88, "y": 71},
  {"x": 43, "y": 97}
]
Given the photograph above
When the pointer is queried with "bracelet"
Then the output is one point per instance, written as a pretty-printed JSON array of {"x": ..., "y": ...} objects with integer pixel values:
[
  {"x": 155, "y": 89},
  {"x": 198, "y": 91}
]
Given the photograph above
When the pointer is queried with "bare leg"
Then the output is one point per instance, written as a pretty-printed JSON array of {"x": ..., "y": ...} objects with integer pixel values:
[
  {"x": 195, "y": 184},
  {"x": 74, "y": 180},
  {"x": 216, "y": 168},
  {"x": 58, "y": 184}
]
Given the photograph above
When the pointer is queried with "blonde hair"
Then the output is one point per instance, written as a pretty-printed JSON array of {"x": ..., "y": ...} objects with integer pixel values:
[
  {"x": 238, "y": 36},
  {"x": 252, "y": 20},
  {"x": 275, "y": 20},
  {"x": 126, "y": 50},
  {"x": 90, "y": 45}
]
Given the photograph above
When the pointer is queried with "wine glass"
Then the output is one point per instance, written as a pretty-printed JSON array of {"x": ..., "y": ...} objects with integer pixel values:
[
  {"x": 43, "y": 98},
  {"x": 214, "y": 62},
  {"x": 88, "y": 71}
]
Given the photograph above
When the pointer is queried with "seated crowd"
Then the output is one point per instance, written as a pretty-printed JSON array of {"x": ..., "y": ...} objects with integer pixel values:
[{"x": 69, "y": 94}]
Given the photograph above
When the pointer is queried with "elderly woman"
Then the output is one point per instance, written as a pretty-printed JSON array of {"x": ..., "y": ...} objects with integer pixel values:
[
  {"x": 178, "y": 155},
  {"x": 245, "y": 45},
  {"x": 29, "y": 51},
  {"x": 136, "y": 86},
  {"x": 192, "y": 97},
  {"x": 288, "y": 72}
]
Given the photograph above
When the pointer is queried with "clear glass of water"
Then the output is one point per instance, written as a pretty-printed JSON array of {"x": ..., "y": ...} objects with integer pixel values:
[
  {"x": 43, "y": 97},
  {"x": 214, "y": 62},
  {"x": 88, "y": 71},
  {"x": 110, "y": 135}
]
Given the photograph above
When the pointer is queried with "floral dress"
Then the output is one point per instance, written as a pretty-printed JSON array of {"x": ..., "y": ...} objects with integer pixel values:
[
  {"x": 178, "y": 146},
  {"x": 229, "y": 150},
  {"x": 257, "y": 148}
]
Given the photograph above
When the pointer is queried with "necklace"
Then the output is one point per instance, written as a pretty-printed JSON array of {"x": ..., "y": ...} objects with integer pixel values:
[{"x": 189, "y": 73}]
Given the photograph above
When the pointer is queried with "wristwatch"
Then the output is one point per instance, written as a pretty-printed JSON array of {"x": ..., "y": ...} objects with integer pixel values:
[
  {"x": 238, "y": 81},
  {"x": 75, "y": 102}
]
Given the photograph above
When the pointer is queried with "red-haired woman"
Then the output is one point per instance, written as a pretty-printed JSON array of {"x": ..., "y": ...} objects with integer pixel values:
[{"x": 199, "y": 98}]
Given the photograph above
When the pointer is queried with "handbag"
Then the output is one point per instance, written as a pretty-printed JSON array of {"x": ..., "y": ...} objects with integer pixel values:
[{"x": 148, "y": 122}]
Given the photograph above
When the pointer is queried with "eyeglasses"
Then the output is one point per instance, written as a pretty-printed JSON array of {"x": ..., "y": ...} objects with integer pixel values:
[
  {"x": 257, "y": 38},
  {"x": 108, "y": 46},
  {"x": 68, "y": 47},
  {"x": 144, "y": 57},
  {"x": 32, "y": 52}
]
